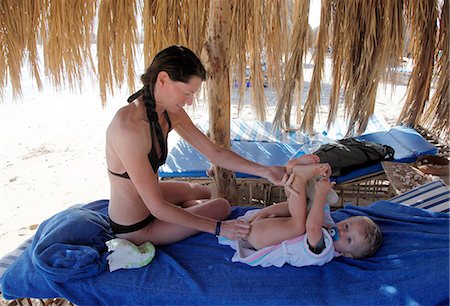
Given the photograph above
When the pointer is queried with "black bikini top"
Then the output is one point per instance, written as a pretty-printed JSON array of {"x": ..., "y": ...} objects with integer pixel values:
[{"x": 155, "y": 132}]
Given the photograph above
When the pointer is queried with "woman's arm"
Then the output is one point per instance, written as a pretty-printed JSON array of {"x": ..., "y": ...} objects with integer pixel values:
[
  {"x": 223, "y": 157},
  {"x": 133, "y": 155}
]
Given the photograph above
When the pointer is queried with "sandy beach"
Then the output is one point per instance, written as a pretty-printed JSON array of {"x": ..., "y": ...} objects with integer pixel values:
[{"x": 52, "y": 148}]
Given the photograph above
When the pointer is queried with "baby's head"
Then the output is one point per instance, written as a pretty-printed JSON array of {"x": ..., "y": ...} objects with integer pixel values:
[{"x": 359, "y": 237}]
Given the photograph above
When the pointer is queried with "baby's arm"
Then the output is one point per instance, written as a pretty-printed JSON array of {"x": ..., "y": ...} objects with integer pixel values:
[{"x": 315, "y": 217}]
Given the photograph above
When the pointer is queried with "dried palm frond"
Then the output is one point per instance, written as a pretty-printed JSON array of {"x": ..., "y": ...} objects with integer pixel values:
[
  {"x": 33, "y": 15},
  {"x": 337, "y": 45},
  {"x": 313, "y": 101},
  {"x": 19, "y": 28},
  {"x": 436, "y": 116},
  {"x": 66, "y": 40},
  {"x": 360, "y": 59},
  {"x": 255, "y": 53},
  {"x": 3, "y": 61},
  {"x": 276, "y": 43},
  {"x": 294, "y": 67},
  {"x": 240, "y": 16},
  {"x": 12, "y": 44},
  {"x": 197, "y": 14},
  {"x": 422, "y": 16},
  {"x": 117, "y": 40},
  {"x": 148, "y": 19},
  {"x": 393, "y": 37},
  {"x": 173, "y": 22},
  {"x": 368, "y": 69}
]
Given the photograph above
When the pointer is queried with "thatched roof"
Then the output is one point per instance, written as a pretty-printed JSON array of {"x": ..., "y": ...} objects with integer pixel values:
[{"x": 366, "y": 38}]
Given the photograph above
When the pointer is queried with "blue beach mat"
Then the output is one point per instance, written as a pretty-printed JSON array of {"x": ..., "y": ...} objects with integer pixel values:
[{"x": 410, "y": 268}]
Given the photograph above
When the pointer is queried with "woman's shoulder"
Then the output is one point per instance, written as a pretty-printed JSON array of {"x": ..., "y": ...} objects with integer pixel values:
[
  {"x": 124, "y": 121},
  {"x": 179, "y": 118}
]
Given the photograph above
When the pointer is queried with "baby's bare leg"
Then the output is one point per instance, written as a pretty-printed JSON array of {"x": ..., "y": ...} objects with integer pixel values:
[{"x": 270, "y": 231}]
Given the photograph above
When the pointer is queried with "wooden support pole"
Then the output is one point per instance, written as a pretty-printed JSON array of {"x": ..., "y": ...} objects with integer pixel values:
[{"x": 217, "y": 65}]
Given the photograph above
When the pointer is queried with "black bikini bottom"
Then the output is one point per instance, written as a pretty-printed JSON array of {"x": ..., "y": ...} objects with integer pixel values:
[{"x": 122, "y": 229}]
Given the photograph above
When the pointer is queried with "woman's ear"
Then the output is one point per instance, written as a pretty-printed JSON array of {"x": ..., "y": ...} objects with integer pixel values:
[{"x": 162, "y": 78}]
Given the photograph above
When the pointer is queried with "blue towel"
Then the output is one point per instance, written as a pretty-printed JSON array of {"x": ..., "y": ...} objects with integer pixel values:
[
  {"x": 71, "y": 245},
  {"x": 411, "y": 267}
]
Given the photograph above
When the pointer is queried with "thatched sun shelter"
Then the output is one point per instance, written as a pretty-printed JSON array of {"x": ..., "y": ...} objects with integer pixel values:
[{"x": 366, "y": 39}]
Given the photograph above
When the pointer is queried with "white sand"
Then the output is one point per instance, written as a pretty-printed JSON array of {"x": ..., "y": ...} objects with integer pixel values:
[{"x": 52, "y": 149}]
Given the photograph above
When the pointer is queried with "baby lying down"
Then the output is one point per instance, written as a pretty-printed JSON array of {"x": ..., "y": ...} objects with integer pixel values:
[{"x": 300, "y": 231}]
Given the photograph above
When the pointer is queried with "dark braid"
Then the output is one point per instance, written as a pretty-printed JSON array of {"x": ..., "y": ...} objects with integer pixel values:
[{"x": 150, "y": 104}]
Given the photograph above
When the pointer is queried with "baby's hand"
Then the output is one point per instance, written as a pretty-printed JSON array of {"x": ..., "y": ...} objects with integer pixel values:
[{"x": 324, "y": 185}]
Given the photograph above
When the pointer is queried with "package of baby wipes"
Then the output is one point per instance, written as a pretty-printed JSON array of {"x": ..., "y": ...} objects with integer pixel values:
[{"x": 126, "y": 255}]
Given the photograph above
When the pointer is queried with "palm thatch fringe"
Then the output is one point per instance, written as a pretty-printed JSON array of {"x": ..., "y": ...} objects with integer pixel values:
[
  {"x": 337, "y": 45},
  {"x": 117, "y": 40},
  {"x": 20, "y": 22},
  {"x": 255, "y": 53},
  {"x": 252, "y": 45},
  {"x": 367, "y": 41},
  {"x": 66, "y": 40},
  {"x": 422, "y": 16},
  {"x": 362, "y": 59},
  {"x": 238, "y": 41},
  {"x": 276, "y": 42},
  {"x": 360, "y": 73},
  {"x": 294, "y": 68},
  {"x": 436, "y": 116},
  {"x": 393, "y": 38},
  {"x": 313, "y": 101},
  {"x": 173, "y": 22}
]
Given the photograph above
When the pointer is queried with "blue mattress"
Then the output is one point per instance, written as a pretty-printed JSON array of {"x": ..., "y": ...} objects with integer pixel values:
[
  {"x": 410, "y": 268},
  {"x": 185, "y": 161}
]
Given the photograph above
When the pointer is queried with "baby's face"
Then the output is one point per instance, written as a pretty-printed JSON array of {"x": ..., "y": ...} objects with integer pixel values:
[{"x": 352, "y": 234}]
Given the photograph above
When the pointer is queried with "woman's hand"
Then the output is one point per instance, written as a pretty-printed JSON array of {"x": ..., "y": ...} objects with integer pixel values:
[
  {"x": 276, "y": 175},
  {"x": 235, "y": 229}
]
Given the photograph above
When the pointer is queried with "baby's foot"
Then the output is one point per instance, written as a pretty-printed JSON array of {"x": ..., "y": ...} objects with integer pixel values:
[
  {"x": 307, "y": 159},
  {"x": 307, "y": 172}
]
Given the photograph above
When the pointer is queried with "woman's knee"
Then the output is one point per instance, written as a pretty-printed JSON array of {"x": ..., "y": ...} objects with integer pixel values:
[
  {"x": 222, "y": 207},
  {"x": 201, "y": 191}
]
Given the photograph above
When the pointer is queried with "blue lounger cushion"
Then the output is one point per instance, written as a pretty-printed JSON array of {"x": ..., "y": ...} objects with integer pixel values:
[
  {"x": 407, "y": 143},
  {"x": 185, "y": 161},
  {"x": 411, "y": 267}
]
